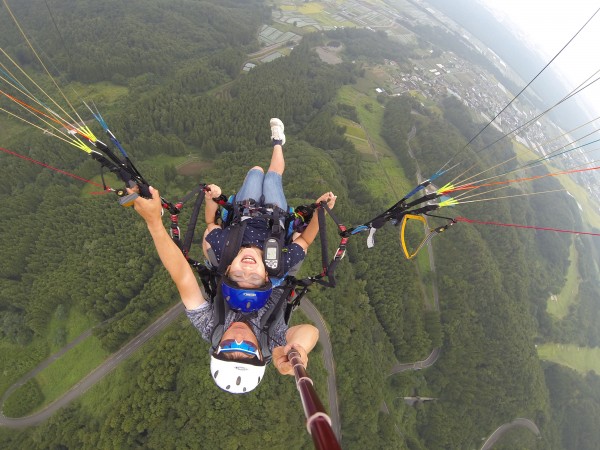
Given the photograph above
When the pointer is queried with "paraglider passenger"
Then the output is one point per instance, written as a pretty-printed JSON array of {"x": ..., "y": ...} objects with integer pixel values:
[{"x": 241, "y": 348}]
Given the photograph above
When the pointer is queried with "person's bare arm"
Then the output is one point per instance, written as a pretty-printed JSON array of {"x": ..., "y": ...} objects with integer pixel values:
[
  {"x": 170, "y": 255},
  {"x": 310, "y": 233},
  {"x": 210, "y": 210}
]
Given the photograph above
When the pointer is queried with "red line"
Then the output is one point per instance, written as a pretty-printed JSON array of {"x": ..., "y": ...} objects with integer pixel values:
[
  {"x": 26, "y": 158},
  {"x": 65, "y": 125},
  {"x": 463, "y": 219}
]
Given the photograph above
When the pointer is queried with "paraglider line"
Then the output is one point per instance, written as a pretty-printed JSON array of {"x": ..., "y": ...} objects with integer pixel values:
[
  {"x": 531, "y": 227},
  {"x": 77, "y": 177}
]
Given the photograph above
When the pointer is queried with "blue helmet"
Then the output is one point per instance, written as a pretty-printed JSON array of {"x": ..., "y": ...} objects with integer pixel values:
[{"x": 245, "y": 300}]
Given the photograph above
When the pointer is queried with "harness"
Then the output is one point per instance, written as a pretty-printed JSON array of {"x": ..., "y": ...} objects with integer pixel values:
[
  {"x": 280, "y": 233},
  {"x": 234, "y": 215}
]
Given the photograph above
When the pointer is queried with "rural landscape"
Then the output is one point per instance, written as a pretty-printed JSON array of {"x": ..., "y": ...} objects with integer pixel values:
[{"x": 487, "y": 338}]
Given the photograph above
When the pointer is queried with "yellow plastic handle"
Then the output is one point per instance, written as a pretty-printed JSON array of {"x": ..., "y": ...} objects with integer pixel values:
[{"x": 405, "y": 219}]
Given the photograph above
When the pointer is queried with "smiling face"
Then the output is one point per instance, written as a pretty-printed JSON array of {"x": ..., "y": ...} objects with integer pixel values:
[{"x": 248, "y": 269}]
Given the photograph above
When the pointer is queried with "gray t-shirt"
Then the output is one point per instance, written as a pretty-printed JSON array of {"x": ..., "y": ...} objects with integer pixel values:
[{"x": 203, "y": 318}]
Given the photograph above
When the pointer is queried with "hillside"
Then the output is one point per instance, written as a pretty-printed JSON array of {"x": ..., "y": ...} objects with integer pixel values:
[{"x": 70, "y": 260}]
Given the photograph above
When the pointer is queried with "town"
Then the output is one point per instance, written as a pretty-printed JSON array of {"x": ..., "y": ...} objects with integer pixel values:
[{"x": 432, "y": 72}]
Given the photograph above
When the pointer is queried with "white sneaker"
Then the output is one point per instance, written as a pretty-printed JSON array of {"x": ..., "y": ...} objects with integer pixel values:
[{"x": 277, "y": 130}]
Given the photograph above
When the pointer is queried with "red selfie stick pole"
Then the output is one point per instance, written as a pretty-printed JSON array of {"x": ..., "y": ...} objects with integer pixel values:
[{"x": 318, "y": 423}]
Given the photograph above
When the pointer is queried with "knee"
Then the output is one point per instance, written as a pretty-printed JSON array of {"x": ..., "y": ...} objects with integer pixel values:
[{"x": 258, "y": 168}]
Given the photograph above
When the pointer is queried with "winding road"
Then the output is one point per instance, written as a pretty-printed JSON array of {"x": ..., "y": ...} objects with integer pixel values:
[
  {"x": 121, "y": 355},
  {"x": 520, "y": 422},
  {"x": 92, "y": 378},
  {"x": 434, "y": 355}
]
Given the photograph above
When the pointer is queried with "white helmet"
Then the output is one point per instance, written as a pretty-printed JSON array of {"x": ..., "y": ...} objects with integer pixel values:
[{"x": 236, "y": 377}]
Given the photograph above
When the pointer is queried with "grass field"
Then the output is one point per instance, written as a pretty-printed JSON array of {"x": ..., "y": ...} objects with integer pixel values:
[
  {"x": 98, "y": 399},
  {"x": 383, "y": 175},
  {"x": 69, "y": 369},
  {"x": 62, "y": 374},
  {"x": 356, "y": 135},
  {"x": 16, "y": 360},
  {"x": 71, "y": 327},
  {"x": 581, "y": 359},
  {"x": 558, "y": 305},
  {"x": 311, "y": 8},
  {"x": 101, "y": 93},
  {"x": 316, "y": 11}
]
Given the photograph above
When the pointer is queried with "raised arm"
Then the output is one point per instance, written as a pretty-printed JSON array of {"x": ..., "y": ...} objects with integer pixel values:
[
  {"x": 310, "y": 233},
  {"x": 210, "y": 209},
  {"x": 170, "y": 255}
]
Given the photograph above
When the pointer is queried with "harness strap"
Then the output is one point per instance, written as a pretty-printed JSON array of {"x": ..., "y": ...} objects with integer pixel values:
[
  {"x": 220, "y": 310},
  {"x": 232, "y": 246},
  {"x": 328, "y": 266},
  {"x": 189, "y": 233}
]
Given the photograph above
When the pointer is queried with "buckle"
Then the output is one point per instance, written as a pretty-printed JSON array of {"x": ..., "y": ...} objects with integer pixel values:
[{"x": 340, "y": 252}]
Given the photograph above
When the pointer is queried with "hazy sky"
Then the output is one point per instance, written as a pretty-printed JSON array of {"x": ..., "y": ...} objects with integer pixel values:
[{"x": 548, "y": 26}]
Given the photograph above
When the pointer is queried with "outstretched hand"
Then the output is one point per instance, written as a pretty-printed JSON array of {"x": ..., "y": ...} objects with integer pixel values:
[
  {"x": 329, "y": 198},
  {"x": 149, "y": 208},
  {"x": 281, "y": 361},
  {"x": 213, "y": 191}
]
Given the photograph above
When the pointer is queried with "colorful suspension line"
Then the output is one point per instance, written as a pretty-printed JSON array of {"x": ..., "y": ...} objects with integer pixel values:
[
  {"x": 472, "y": 186},
  {"x": 72, "y": 131},
  {"x": 520, "y": 92},
  {"x": 14, "y": 19},
  {"x": 524, "y": 125},
  {"x": 69, "y": 137},
  {"x": 47, "y": 166},
  {"x": 528, "y": 165}
]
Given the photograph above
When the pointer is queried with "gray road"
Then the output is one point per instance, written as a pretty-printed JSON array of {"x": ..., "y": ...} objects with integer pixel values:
[
  {"x": 116, "y": 358},
  {"x": 523, "y": 423},
  {"x": 315, "y": 316},
  {"x": 21, "y": 381},
  {"x": 418, "y": 365},
  {"x": 435, "y": 354},
  {"x": 93, "y": 377}
]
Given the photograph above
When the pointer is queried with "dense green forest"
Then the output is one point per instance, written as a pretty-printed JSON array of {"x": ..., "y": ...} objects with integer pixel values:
[{"x": 67, "y": 254}]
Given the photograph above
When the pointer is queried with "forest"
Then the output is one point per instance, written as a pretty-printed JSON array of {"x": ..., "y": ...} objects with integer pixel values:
[{"x": 68, "y": 257}]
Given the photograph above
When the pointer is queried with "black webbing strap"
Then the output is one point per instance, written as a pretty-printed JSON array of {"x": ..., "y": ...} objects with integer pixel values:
[
  {"x": 323, "y": 239},
  {"x": 423, "y": 199},
  {"x": 191, "y": 228},
  {"x": 328, "y": 266},
  {"x": 232, "y": 246}
]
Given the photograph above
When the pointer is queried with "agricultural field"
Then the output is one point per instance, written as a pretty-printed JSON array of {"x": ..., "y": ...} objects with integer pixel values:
[
  {"x": 384, "y": 176},
  {"x": 558, "y": 305},
  {"x": 581, "y": 359}
]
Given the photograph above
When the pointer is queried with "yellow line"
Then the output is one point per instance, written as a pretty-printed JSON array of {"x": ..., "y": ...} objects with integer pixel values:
[{"x": 45, "y": 68}]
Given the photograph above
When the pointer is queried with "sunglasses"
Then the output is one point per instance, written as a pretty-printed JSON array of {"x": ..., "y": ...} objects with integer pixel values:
[{"x": 231, "y": 345}]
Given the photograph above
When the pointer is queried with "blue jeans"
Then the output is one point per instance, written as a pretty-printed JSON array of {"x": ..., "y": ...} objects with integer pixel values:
[{"x": 257, "y": 184}]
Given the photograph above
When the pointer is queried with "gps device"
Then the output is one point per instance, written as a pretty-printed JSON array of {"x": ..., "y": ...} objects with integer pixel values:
[{"x": 272, "y": 252}]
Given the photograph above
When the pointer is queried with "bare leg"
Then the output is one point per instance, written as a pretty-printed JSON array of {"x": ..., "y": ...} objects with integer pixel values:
[
  {"x": 278, "y": 140},
  {"x": 277, "y": 161}
]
